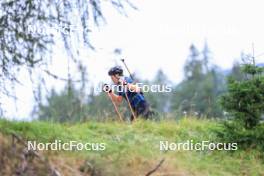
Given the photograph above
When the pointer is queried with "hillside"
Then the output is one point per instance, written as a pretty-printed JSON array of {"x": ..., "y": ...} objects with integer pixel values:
[{"x": 130, "y": 150}]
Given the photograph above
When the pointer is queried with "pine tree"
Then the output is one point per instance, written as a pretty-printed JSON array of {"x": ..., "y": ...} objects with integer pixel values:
[
  {"x": 196, "y": 95},
  {"x": 245, "y": 98},
  {"x": 244, "y": 103}
]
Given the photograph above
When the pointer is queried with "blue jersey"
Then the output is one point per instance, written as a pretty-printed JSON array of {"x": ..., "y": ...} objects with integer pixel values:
[{"x": 135, "y": 98}]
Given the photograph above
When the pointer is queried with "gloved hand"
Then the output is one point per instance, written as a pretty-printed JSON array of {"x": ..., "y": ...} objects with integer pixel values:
[{"x": 106, "y": 88}]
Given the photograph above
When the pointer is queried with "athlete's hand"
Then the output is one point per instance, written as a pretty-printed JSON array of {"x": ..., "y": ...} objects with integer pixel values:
[{"x": 106, "y": 88}]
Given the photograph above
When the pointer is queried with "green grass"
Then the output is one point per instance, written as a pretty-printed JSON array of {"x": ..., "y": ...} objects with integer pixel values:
[{"x": 136, "y": 146}]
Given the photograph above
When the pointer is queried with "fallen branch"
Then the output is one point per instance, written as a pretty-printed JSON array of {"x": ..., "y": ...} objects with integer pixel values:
[{"x": 156, "y": 168}]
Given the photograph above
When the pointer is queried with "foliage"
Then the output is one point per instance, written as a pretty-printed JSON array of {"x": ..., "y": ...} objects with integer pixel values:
[
  {"x": 234, "y": 131},
  {"x": 101, "y": 107},
  {"x": 197, "y": 94},
  {"x": 66, "y": 106},
  {"x": 159, "y": 99},
  {"x": 30, "y": 28},
  {"x": 245, "y": 99},
  {"x": 244, "y": 103},
  {"x": 71, "y": 105},
  {"x": 21, "y": 44}
]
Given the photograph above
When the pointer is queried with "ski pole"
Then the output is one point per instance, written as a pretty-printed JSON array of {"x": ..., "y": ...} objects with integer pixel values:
[
  {"x": 116, "y": 109},
  {"x": 130, "y": 107},
  {"x": 129, "y": 104},
  {"x": 123, "y": 60}
]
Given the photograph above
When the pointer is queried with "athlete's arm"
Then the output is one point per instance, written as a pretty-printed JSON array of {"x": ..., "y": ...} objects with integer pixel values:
[{"x": 116, "y": 98}]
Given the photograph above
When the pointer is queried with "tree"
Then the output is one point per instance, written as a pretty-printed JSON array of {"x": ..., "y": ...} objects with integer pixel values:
[
  {"x": 63, "y": 107},
  {"x": 159, "y": 100},
  {"x": 196, "y": 95},
  {"x": 236, "y": 72},
  {"x": 193, "y": 66},
  {"x": 24, "y": 28},
  {"x": 245, "y": 99},
  {"x": 28, "y": 29},
  {"x": 244, "y": 103}
]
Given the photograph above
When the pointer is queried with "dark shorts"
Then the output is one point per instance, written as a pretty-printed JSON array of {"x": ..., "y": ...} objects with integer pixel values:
[{"x": 143, "y": 110}]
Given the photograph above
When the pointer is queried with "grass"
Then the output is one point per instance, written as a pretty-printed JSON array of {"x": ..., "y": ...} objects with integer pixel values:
[{"x": 133, "y": 149}]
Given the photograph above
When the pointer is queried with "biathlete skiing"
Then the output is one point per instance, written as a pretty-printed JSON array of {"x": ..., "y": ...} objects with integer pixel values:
[{"x": 129, "y": 91}]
